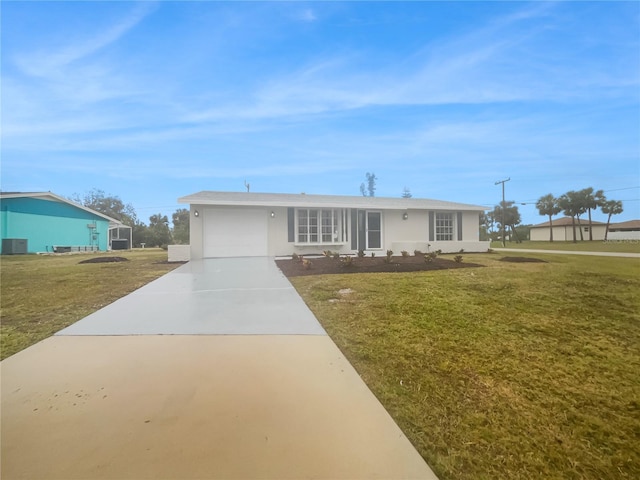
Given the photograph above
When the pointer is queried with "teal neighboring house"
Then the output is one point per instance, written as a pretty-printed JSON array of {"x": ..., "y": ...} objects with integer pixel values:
[{"x": 45, "y": 222}]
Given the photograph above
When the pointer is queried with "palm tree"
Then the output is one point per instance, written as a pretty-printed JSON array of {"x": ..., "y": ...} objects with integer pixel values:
[
  {"x": 592, "y": 201},
  {"x": 571, "y": 206},
  {"x": 548, "y": 205},
  {"x": 610, "y": 207}
]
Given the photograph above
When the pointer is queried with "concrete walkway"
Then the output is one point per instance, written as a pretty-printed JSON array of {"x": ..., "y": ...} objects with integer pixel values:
[
  {"x": 600, "y": 254},
  {"x": 250, "y": 388}
]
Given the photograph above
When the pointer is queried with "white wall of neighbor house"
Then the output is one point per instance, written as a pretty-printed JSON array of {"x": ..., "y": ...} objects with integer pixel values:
[
  {"x": 564, "y": 233},
  {"x": 598, "y": 231},
  {"x": 624, "y": 235},
  {"x": 542, "y": 234}
]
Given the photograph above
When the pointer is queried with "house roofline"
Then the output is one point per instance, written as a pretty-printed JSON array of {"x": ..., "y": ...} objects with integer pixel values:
[
  {"x": 566, "y": 222},
  {"x": 58, "y": 198},
  {"x": 321, "y": 201}
]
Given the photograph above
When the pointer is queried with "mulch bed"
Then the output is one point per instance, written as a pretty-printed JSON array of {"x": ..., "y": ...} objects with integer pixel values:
[
  {"x": 105, "y": 260},
  {"x": 522, "y": 260},
  {"x": 326, "y": 265}
]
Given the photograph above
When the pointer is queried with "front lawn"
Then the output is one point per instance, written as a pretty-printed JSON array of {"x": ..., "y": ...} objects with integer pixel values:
[
  {"x": 42, "y": 294},
  {"x": 513, "y": 371}
]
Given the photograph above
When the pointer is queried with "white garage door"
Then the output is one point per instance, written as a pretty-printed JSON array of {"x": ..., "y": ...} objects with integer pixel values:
[{"x": 235, "y": 232}]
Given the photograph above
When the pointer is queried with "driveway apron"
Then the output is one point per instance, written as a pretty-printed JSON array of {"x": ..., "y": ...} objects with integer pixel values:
[{"x": 216, "y": 370}]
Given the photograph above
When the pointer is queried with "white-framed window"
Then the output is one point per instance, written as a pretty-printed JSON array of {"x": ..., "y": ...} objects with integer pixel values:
[
  {"x": 321, "y": 226},
  {"x": 445, "y": 226}
]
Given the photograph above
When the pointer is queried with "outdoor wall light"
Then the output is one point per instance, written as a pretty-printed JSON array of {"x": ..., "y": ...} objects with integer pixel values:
[
  {"x": 196, "y": 213},
  {"x": 273, "y": 214},
  {"x": 405, "y": 215}
]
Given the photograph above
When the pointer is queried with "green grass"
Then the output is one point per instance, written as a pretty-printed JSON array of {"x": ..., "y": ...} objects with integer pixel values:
[
  {"x": 511, "y": 371},
  {"x": 43, "y": 294},
  {"x": 631, "y": 246}
]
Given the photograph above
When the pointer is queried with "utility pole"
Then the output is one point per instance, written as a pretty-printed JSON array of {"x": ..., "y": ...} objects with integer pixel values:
[{"x": 503, "y": 205}]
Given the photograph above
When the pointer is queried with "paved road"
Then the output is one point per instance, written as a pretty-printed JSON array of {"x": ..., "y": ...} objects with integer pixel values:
[{"x": 599, "y": 254}]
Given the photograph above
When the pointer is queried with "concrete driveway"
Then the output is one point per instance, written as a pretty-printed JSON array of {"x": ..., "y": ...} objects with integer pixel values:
[
  {"x": 216, "y": 370},
  {"x": 224, "y": 296}
]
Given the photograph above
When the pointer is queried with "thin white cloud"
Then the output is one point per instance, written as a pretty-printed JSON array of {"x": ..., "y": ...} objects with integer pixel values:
[
  {"x": 51, "y": 63},
  {"x": 307, "y": 15},
  {"x": 485, "y": 65}
]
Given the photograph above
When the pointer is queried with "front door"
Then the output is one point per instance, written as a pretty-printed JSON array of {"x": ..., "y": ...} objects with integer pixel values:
[{"x": 374, "y": 230}]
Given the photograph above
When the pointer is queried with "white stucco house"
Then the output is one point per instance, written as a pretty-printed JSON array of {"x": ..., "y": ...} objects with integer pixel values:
[
  {"x": 228, "y": 224},
  {"x": 563, "y": 230},
  {"x": 629, "y": 230}
]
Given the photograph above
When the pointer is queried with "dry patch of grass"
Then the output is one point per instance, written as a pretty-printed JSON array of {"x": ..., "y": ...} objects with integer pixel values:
[
  {"x": 517, "y": 370},
  {"x": 44, "y": 294}
]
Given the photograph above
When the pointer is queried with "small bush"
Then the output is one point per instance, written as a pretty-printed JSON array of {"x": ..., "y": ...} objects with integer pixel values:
[
  {"x": 295, "y": 257},
  {"x": 360, "y": 253},
  {"x": 430, "y": 257},
  {"x": 347, "y": 261},
  {"x": 306, "y": 264},
  {"x": 461, "y": 250},
  {"x": 373, "y": 254},
  {"x": 417, "y": 253},
  {"x": 404, "y": 253},
  {"x": 387, "y": 259},
  {"x": 439, "y": 252},
  {"x": 336, "y": 255},
  {"x": 458, "y": 258},
  {"x": 327, "y": 253},
  {"x": 489, "y": 250}
]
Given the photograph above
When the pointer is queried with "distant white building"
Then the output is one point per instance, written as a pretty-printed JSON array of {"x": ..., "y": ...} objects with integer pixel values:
[
  {"x": 624, "y": 230},
  {"x": 563, "y": 231}
]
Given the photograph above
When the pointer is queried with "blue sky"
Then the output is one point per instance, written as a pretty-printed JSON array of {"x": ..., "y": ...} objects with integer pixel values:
[{"x": 152, "y": 101}]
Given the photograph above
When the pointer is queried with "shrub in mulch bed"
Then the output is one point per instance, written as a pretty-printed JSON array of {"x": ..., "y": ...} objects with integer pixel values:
[
  {"x": 104, "y": 260},
  {"x": 324, "y": 265}
]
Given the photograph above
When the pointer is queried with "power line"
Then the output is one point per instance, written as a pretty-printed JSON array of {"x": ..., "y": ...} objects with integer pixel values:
[{"x": 626, "y": 188}]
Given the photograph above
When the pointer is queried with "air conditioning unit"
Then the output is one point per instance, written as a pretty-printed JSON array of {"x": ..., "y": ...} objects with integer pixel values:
[{"x": 14, "y": 246}]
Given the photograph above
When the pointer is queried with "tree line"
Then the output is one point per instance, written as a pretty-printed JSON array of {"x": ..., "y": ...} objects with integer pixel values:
[
  {"x": 574, "y": 204},
  {"x": 157, "y": 233}
]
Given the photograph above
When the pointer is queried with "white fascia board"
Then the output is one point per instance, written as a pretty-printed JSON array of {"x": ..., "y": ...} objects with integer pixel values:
[{"x": 322, "y": 201}]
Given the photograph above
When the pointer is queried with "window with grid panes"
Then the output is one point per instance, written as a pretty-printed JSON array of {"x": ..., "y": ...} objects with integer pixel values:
[{"x": 444, "y": 226}]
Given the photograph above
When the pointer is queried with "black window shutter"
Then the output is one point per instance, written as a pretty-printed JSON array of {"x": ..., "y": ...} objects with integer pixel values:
[
  {"x": 354, "y": 229},
  {"x": 291, "y": 224},
  {"x": 432, "y": 226},
  {"x": 459, "y": 226}
]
